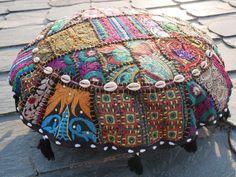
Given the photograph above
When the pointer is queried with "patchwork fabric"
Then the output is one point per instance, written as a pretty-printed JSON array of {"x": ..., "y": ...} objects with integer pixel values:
[
  {"x": 215, "y": 83},
  {"x": 120, "y": 79}
]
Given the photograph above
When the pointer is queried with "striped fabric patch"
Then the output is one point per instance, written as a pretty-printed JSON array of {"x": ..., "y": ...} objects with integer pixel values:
[
  {"x": 23, "y": 64},
  {"x": 119, "y": 28},
  {"x": 153, "y": 27}
]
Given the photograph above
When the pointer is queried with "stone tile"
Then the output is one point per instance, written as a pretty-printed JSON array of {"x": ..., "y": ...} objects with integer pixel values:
[
  {"x": 222, "y": 25},
  {"x": 7, "y": 57},
  {"x": 173, "y": 11},
  {"x": 24, "y": 18},
  {"x": 5, "y": 1},
  {"x": 228, "y": 54},
  {"x": 232, "y": 3},
  {"x": 224, "y": 28},
  {"x": 230, "y": 41},
  {"x": 15, "y": 147},
  {"x": 205, "y": 29},
  {"x": 209, "y": 20},
  {"x": 18, "y": 36},
  {"x": 4, "y": 7},
  {"x": 56, "y": 13},
  {"x": 208, "y": 8},
  {"x": 25, "y": 5},
  {"x": 110, "y": 4},
  {"x": 183, "y": 1},
  {"x": 152, "y": 3},
  {"x": 7, "y": 103},
  {"x": 62, "y": 3}
]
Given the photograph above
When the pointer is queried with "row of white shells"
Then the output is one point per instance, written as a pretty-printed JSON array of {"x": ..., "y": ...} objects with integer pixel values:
[{"x": 135, "y": 86}]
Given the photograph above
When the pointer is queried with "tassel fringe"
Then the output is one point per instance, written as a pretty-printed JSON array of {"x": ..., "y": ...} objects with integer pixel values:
[
  {"x": 135, "y": 165},
  {"x": 45, "y": 147},
  {"x": 191, "y": 146}
]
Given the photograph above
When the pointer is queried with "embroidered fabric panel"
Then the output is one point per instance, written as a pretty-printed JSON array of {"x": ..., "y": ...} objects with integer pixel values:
[
  {"x": 164, "y": 114},
  {"x": 216, "y": 85},
  {"x": 131, "y": 119},
  {"x": 89, "y": 65},
  {"x": 118, "y": 28},
  {"x": 64, "y": 64},
  {"x": 182, "y": 51},
  {"x": 153, "y": 64},
  {"x": 21, "y": 66},
  {"x": 67, "y": 116},
  {"x": 29, "y": 82},
  {"x": 118, "y": 119},
  {"x": 34, "y": 106}
]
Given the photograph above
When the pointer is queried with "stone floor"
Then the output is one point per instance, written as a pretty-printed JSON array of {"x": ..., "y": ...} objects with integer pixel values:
[{"x": 22, "y": 20}]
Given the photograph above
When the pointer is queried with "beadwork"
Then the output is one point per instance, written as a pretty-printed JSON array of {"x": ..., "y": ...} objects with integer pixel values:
[{"x": 120, "y": 79}]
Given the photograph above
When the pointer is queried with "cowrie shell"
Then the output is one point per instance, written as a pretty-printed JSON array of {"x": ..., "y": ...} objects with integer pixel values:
[
  {"x": 160, "y": 84},
  {"x": 196, "y": 72},
  {"x": 48, "y": 70},
  {"x": 179, "y": 78},
  {"x": 21, "y": 117},
  {"x": 40, "y": 130},
  {"x": 29, "y": 124},
  {"x": 36, "y": 59},
  {"x": 39, "y": 37},
  {"x": 105, "y": 148},
  {"x": 110, "y": 86},
  {"x": 134, "y": 86},
  {"x": 65, "y": 78},
  {"x": 35, "y": 50},
  {"x": 209, "y": 53},
  {"x": 85, "y": 83},
  {"x": 204, "y": 64},
  {"x": 171, "y": 143}
]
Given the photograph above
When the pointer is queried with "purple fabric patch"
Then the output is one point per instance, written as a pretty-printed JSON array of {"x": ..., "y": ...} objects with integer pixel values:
[{"x": 184, "y": 54}]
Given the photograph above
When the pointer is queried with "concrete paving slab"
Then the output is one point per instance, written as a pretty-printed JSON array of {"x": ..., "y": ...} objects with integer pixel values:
[
  {"x": 152, "y": 3},
  {"x": 208, "y": 8},
  {"x": 13, "y": 20},
  {"x": 19, "y": 36},
  {"x": 4, "y": 7},
  {"x": 56, "y": 13},
  {"x": 7, "y": 56},
  {"x": 62, "y": 3},
  {"x": 173, "y": 11},
  {"x": 230, "y": 41},
  {"x": 26, "y": 5},
  {"x": 228, "y": 54},
  {"x": 184, "y": 1},
  {"x": 7, "y": 104}
]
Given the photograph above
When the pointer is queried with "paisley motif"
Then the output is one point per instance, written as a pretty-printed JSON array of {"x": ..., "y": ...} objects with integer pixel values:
[
  {"x": 67, "y": 128},
  {"x": 182, "y": 51}
]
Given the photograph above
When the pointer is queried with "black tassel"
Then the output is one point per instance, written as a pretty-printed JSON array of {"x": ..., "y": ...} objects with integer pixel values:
[
  {"x": 135, "y": 165},
  {"x": 191, "y": 146},
  {"x": 45, "y": 147},
  {"x": 16, "y": 101}
]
